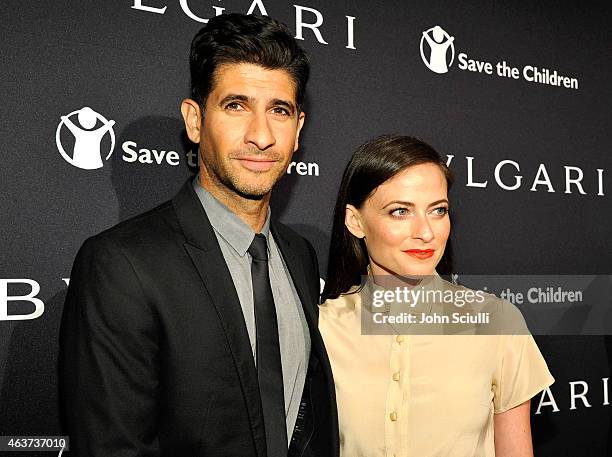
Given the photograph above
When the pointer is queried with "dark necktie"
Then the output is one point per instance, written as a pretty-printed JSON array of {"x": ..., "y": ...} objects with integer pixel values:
[{"x": 269, "y": 368}]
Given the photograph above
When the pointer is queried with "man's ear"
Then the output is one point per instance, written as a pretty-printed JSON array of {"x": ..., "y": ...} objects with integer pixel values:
[
  {"x": 301, "y": 118},
  {"x": 352, "y": 220},
  {"x": 192, "y": 116}
]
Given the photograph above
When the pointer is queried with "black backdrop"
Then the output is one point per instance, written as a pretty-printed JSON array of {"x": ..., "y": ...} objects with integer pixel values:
[{"x": 129, "y": 64}]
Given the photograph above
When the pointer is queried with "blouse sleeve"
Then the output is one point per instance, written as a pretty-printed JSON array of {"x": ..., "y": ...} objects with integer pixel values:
[{"x": 521, "y": 372}]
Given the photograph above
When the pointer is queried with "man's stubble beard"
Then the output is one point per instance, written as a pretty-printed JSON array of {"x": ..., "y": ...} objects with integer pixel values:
[{"x": 225, "y": 177}]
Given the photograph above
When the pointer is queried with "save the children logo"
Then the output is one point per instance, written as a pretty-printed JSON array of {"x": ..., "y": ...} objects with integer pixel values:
[
  {"x": 437, "y": 49},
  {"x": 88, "y": 128},
  {"x": 438, "y": 52}
]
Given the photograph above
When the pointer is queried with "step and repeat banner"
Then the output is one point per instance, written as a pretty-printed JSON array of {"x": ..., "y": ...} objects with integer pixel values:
[{"x": 515, "y": 95}]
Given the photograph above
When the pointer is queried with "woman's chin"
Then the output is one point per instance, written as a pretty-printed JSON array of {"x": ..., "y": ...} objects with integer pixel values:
[
  {"x": 418, "y": 271},
  {"x": 416, "y": 276}
]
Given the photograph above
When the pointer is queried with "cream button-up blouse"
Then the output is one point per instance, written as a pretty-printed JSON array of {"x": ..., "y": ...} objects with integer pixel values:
[{"x": 424, "y": 395}]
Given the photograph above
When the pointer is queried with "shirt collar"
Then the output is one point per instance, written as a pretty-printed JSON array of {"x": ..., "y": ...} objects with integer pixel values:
[
  {"x": 369, "y": 286},
  {"x": 237, "y": 233}
]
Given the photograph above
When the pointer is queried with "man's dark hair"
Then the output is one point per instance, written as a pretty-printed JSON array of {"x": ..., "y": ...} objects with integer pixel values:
[{"x": 239, "y": 38}]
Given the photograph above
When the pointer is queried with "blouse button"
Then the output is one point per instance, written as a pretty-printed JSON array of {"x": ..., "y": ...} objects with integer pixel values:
[
  {"x": 396, "y": 376},
  {"x": 399, "y": 338},
  {"x": 393, "y": 416}
]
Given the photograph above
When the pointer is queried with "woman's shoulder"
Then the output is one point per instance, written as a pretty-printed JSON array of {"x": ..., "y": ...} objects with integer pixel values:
[
  {"x": 345, "y": 302},
  {"x": 504, "y": 317}
]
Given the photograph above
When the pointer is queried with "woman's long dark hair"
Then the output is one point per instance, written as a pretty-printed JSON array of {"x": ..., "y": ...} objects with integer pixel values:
[{"x": 372, "y": 164}]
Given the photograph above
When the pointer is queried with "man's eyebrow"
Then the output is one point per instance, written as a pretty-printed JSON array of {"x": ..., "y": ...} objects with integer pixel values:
[
  {"x": 246, "y": 99},
  {"x": 234, "y": 98},
  {"x": 287, "y": 104}
]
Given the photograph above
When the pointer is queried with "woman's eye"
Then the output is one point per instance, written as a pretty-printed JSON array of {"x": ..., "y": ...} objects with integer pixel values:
[
  {"x": 399, "y": 212},
  {"x": 441, "y": 211}
]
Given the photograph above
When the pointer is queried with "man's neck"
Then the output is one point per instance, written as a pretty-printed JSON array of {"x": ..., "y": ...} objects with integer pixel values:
[{"x": 252, "y": 212}]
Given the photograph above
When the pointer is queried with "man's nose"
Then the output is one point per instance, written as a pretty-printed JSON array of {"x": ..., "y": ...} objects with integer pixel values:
[{"x": 259, "y": 132}]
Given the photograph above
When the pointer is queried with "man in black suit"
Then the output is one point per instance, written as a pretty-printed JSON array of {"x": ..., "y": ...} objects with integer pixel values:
[{"x": 191, "y": 330}]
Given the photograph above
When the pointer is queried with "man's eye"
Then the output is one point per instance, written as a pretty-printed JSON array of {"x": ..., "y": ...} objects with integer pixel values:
[
  {"x": 234, "y": 106},
  {"x": 280, "y": 110}
]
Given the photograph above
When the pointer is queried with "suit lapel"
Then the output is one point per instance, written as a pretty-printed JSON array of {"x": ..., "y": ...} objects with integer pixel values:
[
  {"x": 305, "y": 424},
  {"x": 203, "y": 249},
  {"x": 296, "y": 270}
]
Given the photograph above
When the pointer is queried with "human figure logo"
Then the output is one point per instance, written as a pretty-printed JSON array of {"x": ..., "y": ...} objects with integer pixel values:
[
  {"x": 436, "y": 54},
  {"x": 88, "y": 129}
]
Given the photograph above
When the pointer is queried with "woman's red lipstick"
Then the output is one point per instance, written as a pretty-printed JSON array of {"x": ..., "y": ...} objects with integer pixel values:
[{"x": 420, "y": 253}]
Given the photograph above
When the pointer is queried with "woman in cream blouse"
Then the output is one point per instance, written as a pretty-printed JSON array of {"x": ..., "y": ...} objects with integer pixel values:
[{"x": 402, "y": 394}]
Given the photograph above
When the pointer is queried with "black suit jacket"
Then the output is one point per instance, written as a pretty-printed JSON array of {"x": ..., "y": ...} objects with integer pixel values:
[{"x": 155, "y": 358}]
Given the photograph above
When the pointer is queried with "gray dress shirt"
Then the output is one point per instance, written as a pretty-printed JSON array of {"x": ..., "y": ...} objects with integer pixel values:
[{"x": 235, "y": 237}]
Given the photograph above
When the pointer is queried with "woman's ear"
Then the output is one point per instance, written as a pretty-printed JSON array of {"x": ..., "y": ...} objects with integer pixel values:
[{"x": 352, "y": 220}]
